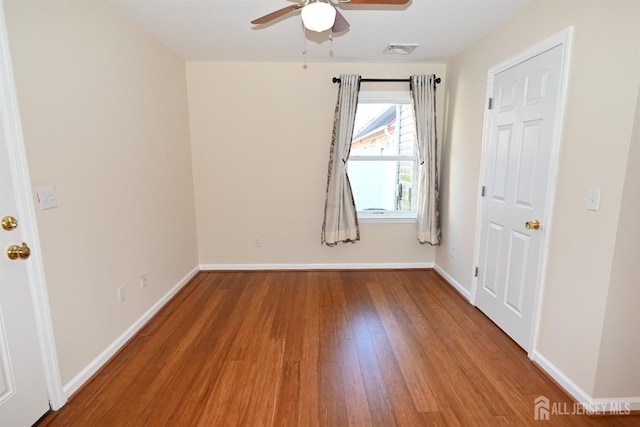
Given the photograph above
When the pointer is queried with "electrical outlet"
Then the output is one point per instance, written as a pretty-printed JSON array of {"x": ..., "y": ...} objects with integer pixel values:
[
  {"x": 121, "y": 295},
  {"x": 144, "y": 280},
  {"x": 453, "y": 251},
  {"x": 258, "y": 242}
]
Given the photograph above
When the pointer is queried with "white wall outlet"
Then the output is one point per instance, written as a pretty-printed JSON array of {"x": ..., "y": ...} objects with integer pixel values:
[
  {"x": 453, "y": 251},
  {"x": 593, "y": 199},
  {"x": 47, "y": 197},
  {"x": 144, "y": 280},
  {"x": 121, "y": 295},
  {"x": 258, "y": 242}
]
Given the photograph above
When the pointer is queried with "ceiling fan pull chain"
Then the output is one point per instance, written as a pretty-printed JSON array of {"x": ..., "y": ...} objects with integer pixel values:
[
  {"x": 331, "y": 43},
  {"x": 304, "y": 46}
]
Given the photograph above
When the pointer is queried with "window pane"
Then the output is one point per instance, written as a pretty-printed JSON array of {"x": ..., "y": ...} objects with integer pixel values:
[
  {"x": 382, "y": 185},
  {"x": 405, "y": 187},
  {"x": 374, "y": 132}
]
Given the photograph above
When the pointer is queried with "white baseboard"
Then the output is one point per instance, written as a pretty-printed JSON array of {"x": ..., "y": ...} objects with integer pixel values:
[
  {"x": 93, "y": 367},
  {"x": 354, "y": 266},
  {"x": 564, "y": 381},
  {"x": 616, "y": 405},
  {"x": 461, "y": 289}
]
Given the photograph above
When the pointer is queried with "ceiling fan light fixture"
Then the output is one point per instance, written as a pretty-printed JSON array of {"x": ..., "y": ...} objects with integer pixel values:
[{"x": 318, "y": 16}]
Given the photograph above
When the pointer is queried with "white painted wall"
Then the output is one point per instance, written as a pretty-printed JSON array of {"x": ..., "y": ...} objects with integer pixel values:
[
  {"x": 618, "y": 372},
  {"x": 260, "y": 136},
  {"x": 104, "y": 111},
  {"x": 601, "y": 99}
]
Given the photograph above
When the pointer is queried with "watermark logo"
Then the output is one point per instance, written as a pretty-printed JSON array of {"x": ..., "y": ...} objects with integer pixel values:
[{"x": 543, "y": 409}]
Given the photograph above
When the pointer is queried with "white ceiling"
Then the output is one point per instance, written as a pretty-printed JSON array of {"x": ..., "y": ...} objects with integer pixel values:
[{"x": 220, "y": 30}]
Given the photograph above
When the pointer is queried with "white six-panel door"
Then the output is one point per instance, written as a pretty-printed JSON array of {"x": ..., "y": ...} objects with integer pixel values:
[{"x": 515, "y": 184}]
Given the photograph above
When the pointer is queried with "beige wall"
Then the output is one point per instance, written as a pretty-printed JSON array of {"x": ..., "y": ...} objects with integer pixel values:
[
  {"x": 618, "y": 372},
  {"x": 105, "y": 118},
  {"x": 602, "y": 93},
  {"x": 260, "y": 142}
]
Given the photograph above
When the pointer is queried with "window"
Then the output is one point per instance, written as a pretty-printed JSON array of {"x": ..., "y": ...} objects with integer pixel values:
[{"x": 383, "y": 160}]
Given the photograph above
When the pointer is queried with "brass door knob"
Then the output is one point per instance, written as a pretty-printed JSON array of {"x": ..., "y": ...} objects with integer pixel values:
[
  {"x": 14, "y": 251},
  {"x": 9, "y": 223},
  {"x": 534, "y": 224}
]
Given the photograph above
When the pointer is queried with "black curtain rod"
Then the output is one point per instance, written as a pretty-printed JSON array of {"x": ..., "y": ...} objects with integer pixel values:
[{"x": 337, "y": 80}]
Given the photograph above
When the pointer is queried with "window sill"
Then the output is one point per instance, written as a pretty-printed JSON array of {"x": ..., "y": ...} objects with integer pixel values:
[{"x": 385, "y": 219}]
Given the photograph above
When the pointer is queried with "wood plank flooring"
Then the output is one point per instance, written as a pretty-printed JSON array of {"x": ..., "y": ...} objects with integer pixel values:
[{"x": 319, "y": 348}]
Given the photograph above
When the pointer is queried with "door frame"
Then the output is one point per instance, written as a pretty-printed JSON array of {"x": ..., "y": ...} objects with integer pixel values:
[
  {"x": 563, "y": 40},
  {"x": 25, "y": 207}
]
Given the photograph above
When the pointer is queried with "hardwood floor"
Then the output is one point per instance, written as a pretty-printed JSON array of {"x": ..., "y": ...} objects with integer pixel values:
[{"x": 362, "y": 348}]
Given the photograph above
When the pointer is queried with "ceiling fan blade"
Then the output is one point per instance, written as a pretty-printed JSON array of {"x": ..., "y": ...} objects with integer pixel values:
[
  {"x": 392, "y": 2},
  {"x": 341, "y": 23},
  {"x": 277, "y": 14}
]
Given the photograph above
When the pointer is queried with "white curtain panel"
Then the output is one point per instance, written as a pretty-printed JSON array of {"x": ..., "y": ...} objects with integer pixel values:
[
  {"x": 340, "y": 216},
  {"x": 423, "y": 99}
]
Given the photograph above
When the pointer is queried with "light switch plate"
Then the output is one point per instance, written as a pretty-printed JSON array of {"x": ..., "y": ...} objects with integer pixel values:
[
  {"x": 47, "y": 197},
  {"x": 593, "y": 199}
]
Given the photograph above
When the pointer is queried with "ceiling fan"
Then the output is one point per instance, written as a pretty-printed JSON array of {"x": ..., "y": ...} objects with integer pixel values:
[{"x": 321, "y": 15}]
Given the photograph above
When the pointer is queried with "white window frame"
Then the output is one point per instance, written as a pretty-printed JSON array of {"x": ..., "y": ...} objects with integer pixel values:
[{"x": 386, "y": 97}]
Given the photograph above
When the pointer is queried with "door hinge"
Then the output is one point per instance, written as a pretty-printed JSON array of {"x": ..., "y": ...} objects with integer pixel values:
[
  {"x": 476, "y": 273},
  {"x": 484, "y": 190},
  {"x": 490, "y": 103}
]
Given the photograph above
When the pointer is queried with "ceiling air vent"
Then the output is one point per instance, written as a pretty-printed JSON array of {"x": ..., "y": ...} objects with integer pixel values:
[{"x": 400, "y": 48}]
